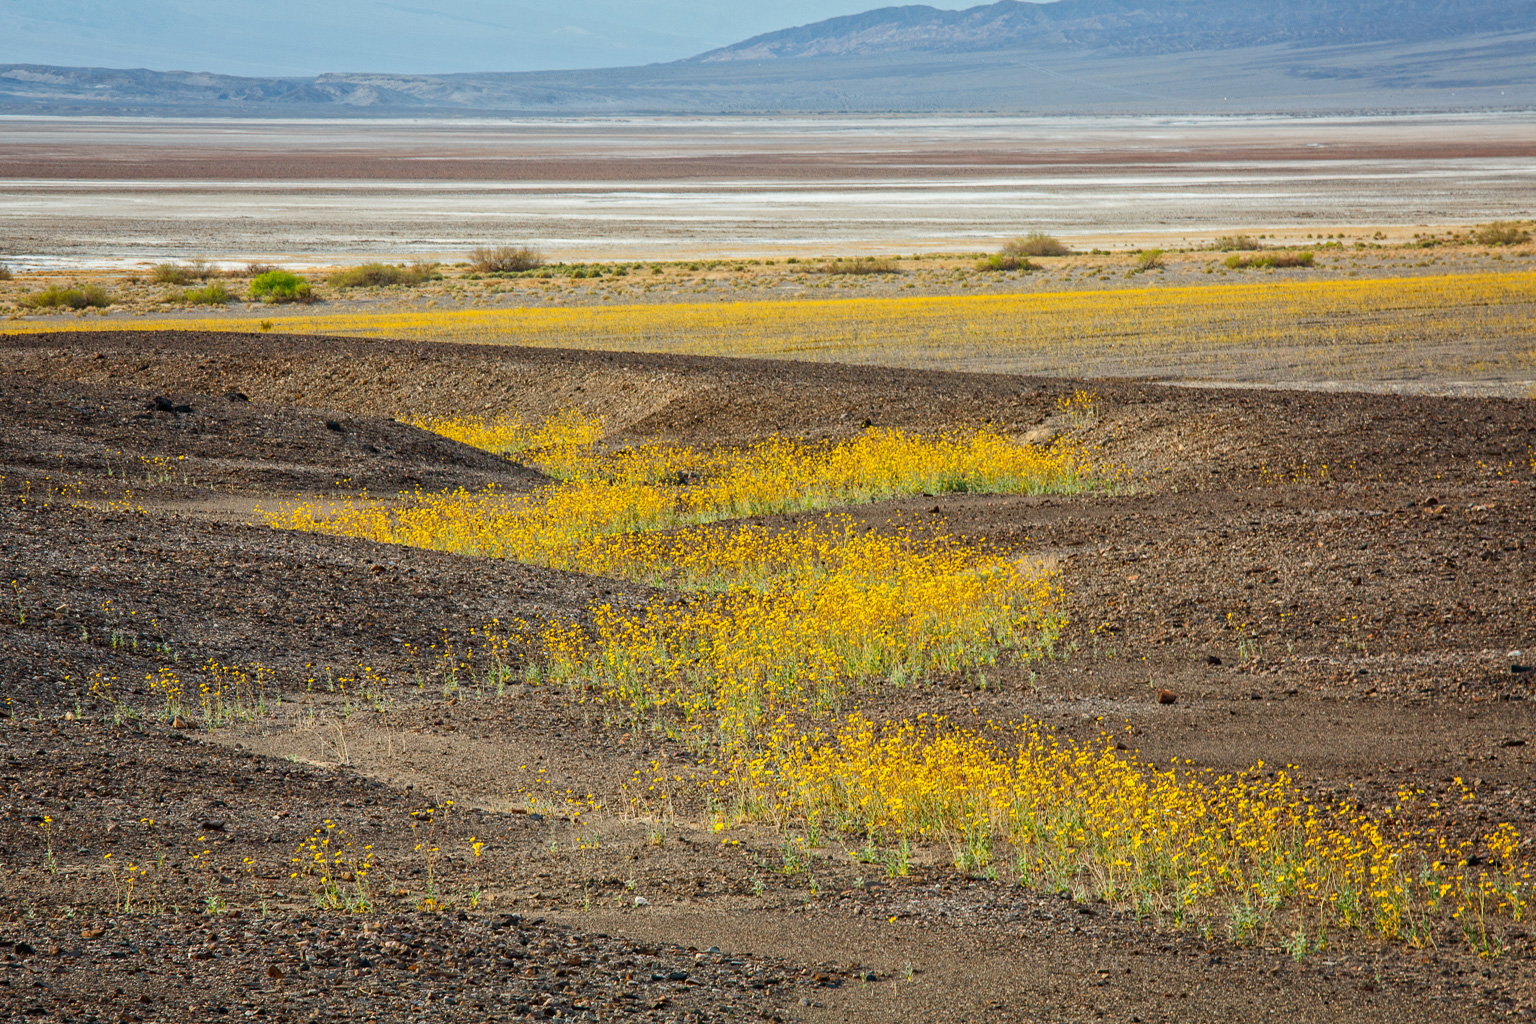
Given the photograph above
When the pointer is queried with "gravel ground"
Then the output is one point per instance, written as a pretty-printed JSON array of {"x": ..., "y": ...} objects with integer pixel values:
[{"x": 1388, "y": 629}]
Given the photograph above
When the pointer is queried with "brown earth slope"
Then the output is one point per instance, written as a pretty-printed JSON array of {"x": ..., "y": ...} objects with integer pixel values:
[{"x": 1337, "y": 581}]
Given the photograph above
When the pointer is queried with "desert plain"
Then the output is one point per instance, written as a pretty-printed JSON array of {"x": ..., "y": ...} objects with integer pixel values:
[{"x": 276, "y": 750}]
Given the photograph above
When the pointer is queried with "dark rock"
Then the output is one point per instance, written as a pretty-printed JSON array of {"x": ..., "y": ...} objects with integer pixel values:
[{"x": 1166, "y": 696}]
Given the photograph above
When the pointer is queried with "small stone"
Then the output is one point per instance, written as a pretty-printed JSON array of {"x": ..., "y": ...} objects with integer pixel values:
[
  {"x": 1166, "y": 696},
  {"x": 641, "y": 901}
]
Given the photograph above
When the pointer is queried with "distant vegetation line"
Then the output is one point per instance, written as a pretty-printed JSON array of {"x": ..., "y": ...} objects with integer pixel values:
[{"x": 1463, "y": 326}]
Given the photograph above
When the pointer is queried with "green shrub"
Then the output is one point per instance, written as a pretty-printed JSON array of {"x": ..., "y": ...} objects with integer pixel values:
[
  {"x": 1241, "y": 243},
  {"x": 505, "y": 259},
  {"x": 1148, "y": 259},
  {"x": 53, "y": 297},
  {"x": 1003, "y": 262},
  {"x": 5, "y": 272},
  {"x": 1500, "y": 232},
  {"x": 1273, "y": 259},
  {"x": 281, "y": 286},
  {"x": 212, "y": 294},
  {"x": 1036, "y": 243},
  {"x": 862, "y": 265},
  {"x": 375, "y": 274}
]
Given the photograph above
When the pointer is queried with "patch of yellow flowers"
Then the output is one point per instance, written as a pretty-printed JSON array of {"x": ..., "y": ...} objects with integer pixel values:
[
  {"x": 766, "y": 618},
  {"x": 572, "y": 525},
  {"x": 1087, "y": 819},
  {"x": 793, "y": 618},
  {"x": 758, "y": 630}
]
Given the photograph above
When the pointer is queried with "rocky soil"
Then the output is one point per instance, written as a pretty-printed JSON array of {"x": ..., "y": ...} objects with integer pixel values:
[{"x": 1369, "y": 622}]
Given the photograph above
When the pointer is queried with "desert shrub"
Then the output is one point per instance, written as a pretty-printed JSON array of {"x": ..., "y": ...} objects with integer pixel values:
[
  {"x": 1002, "y": 262},
  {"x": 505, "y": 259},
  {"x": 257, "y": 269},
  {"x": 375, "y": 274},
  {"x": 183, "y": 273},
  {"x": 53, "y": 297},
  {"x": 5, "y": 272},
  {"x": 1500, "y": 232},
  {"x": 1148, "y": 259},
  {"x": 861, "y": 265},
  {"x": 211, "y": 294},
  {"x": 1036, "y": 243},
  {"x": 170, "y": 273},
  {"x": 1242, "y": 243},
  {"x": 281, "y": 286},
  {"x": 1274, "y": 259}
]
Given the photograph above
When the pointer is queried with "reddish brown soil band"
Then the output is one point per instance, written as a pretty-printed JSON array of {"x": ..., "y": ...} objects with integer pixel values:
[{"x": 93, "y": 163}]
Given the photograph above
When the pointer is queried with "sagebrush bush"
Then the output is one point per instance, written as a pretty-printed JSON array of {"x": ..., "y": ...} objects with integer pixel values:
[
  {"x": 212, "y": 294},
  {"x": 281, "y": 286},
  {"x": 861, "y": 265},
  {"x": 1036, "y": 243},
  {"x": 376, "y": 274},
  {"x": 1500, "y": 232},
  {"x": 5, "y": 272},
  {"x": 1148, "y": 259},
  {"x": 1274, "y": 259},
  {"x": 183, "y": 273},
  {"x": 505, "y": 259},
  {"x": 53, "y": 297},
  {"x": 1002, "y": 262},
  {"x": 170, "y": 273},
  {"x": 1240, "y": 243}
]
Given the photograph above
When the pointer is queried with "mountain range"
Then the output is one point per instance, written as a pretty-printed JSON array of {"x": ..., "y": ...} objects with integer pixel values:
[
  {"x": 1133, "y": 27},
  {"x": 1080, "y": 56}
]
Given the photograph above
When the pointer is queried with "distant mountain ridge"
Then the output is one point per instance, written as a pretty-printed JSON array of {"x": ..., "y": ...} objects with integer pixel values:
[
  {"x": 1073, "y": 56},
  {"x": 1133, "y": 27}
]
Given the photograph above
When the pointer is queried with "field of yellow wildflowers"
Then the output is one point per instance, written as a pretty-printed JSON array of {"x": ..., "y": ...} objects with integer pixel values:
[
  {"x": 762, "y": 635},
  {"x": 1465, "y": 325},
  {"x": 927, "y": 713},
  {"x": 773, "y": 617}
]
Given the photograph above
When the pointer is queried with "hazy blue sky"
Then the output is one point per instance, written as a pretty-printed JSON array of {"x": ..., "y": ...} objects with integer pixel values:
[{"x": 300, "y": 37}]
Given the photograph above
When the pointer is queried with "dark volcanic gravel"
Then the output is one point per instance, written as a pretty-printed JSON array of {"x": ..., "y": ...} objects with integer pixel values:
[{"x": 1371, "y": 624}]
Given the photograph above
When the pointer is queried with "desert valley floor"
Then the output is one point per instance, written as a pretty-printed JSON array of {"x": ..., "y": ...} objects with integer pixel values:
[{"x": 1339, "y": 582}]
